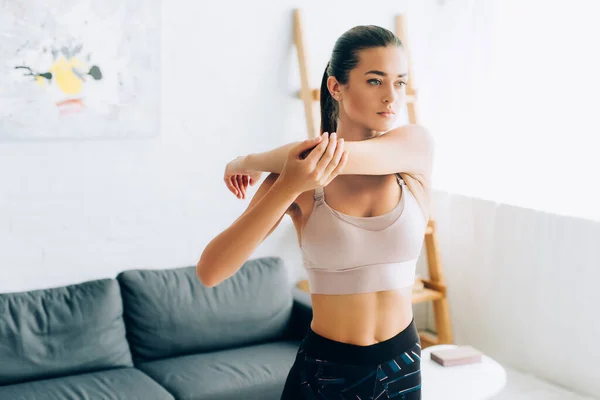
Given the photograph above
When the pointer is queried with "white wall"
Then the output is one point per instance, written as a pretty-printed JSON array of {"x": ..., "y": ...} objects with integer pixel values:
[{"x": 521, "y": 282}]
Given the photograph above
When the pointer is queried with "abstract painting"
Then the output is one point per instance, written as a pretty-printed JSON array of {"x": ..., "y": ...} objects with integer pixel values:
[{"x": 79, "y": 69}]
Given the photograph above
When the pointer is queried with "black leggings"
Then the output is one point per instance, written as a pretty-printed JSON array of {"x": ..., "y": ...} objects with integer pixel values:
[{"x": 327, "y": 369}]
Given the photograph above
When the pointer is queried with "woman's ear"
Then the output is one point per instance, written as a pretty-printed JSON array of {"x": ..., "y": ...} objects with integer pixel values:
[{"x": 334, "y": 88}]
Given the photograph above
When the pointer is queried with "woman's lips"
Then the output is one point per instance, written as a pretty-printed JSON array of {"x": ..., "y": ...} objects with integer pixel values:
[{"x": 387, "y": 114}]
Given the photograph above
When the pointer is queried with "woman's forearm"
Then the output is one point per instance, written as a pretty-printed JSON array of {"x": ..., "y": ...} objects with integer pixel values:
[
  {"x": 268, "y": 161},
  {"x": 227, "y": 252}
]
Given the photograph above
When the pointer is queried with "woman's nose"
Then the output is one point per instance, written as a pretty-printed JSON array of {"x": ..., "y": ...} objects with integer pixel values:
[{"x": 390, "y": 96}]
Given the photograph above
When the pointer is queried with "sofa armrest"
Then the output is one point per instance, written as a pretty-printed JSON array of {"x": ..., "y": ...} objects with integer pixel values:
[{"x": 301, "y": 315}]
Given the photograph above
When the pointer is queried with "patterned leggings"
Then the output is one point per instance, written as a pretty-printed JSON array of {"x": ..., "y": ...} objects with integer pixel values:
[{"x": 330, "y": 370}]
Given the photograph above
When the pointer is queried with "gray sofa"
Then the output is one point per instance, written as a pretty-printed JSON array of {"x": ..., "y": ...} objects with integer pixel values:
[{"x": 154, "y": 334}]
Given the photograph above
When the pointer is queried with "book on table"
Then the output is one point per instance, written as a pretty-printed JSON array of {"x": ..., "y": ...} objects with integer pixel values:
[{"x": 459, "y": 355}]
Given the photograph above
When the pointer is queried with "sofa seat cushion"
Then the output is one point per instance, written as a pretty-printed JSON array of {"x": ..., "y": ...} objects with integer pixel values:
[
  {"x": 255, "y": 372},
  {"x": 114, "y": 384}
]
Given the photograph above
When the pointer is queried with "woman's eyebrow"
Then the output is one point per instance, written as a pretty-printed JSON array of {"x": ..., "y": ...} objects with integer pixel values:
[{"x": 380, "y": 73}]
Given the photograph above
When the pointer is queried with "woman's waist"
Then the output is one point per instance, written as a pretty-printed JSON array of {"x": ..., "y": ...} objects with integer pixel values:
[{"x": 362, "y": 319}]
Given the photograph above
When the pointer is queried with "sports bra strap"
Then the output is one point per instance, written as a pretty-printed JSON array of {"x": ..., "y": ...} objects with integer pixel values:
[
  {"x": 319, "y": 194},
  {"x": 400, "y": 180}
]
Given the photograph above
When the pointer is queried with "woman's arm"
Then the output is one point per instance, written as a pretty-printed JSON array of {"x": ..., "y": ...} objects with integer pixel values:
[
  {"x": 268, "y": 161},
  {"x": 227, "y": 252},
  {"x": 407, "y": 149}
]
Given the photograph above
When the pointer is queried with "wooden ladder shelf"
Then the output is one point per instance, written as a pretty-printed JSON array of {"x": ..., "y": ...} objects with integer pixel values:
[{"x": 433, "y": 288}]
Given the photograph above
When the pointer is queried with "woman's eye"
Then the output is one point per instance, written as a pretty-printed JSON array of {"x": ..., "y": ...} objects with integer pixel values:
[
  {"x": 401, "y": 83},
  {"x": 374, "y": 82}
]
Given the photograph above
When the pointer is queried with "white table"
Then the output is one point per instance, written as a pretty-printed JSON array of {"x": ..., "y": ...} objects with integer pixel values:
[{"x": 478, "y": 381}]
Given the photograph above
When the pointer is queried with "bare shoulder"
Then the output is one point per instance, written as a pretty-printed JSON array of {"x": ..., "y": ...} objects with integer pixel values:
[
  {"x": 418, "y": 148},
  {"x": 417, "y": 139},
  {"x": 416, "y": 133}
]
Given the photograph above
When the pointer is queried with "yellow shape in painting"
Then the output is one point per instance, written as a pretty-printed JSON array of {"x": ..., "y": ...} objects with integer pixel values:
[
  {"x": 40, "y": 81},
  {"x": 62, "y": 72}
]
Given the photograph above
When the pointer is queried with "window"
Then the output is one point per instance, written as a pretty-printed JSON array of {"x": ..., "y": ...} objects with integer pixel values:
[{"x": 517, "y": 119}]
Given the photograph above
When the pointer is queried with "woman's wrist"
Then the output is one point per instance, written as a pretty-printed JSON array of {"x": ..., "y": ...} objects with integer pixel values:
[
  {"x": 249, "y": 163},
  {"x": 287, "y": 190}
]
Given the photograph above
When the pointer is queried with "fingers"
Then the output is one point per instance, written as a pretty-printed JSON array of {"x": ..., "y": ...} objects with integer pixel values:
[
  {"x": 335, "y": 160},
  {"x": 304, "y": 147},
  {"x": 240, "y": 186},
  {"x": 316, "y": 154},
  {"x": 245, "y": 182},
  {"x": 337, "y": 169},
  {"x": 235, "y": 185},
  {"x": 327, "y": 155},
  {"x": 230, "y": 186}
]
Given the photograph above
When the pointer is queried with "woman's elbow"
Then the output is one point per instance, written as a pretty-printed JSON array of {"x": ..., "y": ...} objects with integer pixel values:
[{"x": 204, "y": 276}]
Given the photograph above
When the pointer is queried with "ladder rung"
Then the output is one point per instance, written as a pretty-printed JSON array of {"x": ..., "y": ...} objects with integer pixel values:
[
  {"x": 422, "y": 295},
  {"x": 438, "y": 287}
]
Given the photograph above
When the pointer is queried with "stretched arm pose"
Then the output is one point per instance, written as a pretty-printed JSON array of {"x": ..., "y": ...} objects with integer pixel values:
[
  {"x": 227, "y": 252},
  {"x": 407, "y": 149}
]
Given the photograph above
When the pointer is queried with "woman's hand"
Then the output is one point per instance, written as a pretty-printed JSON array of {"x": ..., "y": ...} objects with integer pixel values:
[
  {"x": 321, "y": 165},
  {"x": 237, "y": 177}
]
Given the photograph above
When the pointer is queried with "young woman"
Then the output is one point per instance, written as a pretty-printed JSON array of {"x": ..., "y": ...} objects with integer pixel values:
[{"x": 360, "y": 204}]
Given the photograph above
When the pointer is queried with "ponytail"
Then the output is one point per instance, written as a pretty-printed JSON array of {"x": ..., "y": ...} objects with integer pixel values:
[{"x": 328, "y": 109}]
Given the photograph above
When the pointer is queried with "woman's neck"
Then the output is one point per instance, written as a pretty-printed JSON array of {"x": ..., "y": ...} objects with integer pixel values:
[{"x": 353, "y": 132}]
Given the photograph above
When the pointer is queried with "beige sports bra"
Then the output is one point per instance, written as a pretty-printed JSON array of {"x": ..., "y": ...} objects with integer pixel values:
[{"x": 345, "y": 254}]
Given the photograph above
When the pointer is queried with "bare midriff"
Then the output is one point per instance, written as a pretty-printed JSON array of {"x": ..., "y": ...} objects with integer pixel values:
[{"x": 362, "y": 319}]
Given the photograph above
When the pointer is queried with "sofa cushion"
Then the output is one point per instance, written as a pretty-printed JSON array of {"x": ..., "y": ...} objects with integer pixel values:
[
  {"x": 169, "y": 312},
  {"x": 255, "y": 372},
  {"x": 60, "y": 331},
  {"x": 116, "y": 384}
]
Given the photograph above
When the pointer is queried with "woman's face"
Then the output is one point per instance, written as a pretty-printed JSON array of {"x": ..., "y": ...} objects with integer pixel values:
[{"x": 376, "y": 88}]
